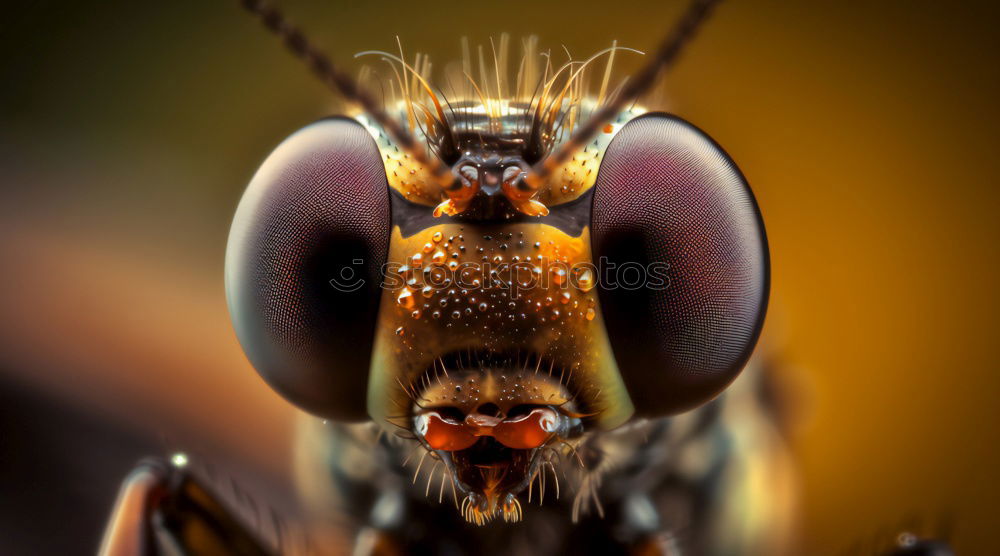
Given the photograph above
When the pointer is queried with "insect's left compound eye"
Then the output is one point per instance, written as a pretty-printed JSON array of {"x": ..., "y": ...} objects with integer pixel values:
[{"x": 303, "y": 266}]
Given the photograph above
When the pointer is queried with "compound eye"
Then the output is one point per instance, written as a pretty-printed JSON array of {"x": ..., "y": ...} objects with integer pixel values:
[
  {"x": 303, "y": 266},
  {"x": 528, "y": 431},
  {"x": 443, "y": 434},
  {"x": 670, "y": 201}
]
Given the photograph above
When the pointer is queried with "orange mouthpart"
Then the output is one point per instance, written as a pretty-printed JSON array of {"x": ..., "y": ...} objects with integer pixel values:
[{"x": 521, "y": 433}]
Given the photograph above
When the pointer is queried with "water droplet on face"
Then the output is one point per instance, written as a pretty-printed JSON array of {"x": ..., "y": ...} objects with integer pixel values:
[
  {"x": 428, "y": 247},
  {"x": 427, "y": 291},
  {"x": 564, "y": 298},
  {"x": 438, "y": 257},
  {"x": 417, "y": 259},
  {"x": 437, "y": 237},
  {"x": 585, "y": 281},
  {"x": 483, "y": 306},
  {"x": 456, "y": 315},
  {"x": 436, "y": 314},
  {"x": 415, "y": 314},
  {"x": 400, "y": 331},
  {"x": 405, "y": 298},
  {"x": 591, "y": 314}
]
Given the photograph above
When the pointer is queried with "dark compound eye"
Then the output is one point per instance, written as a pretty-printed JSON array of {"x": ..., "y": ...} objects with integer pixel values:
[
  {"x": 670, "y": 203},
  {"x": 303, "y": 266}
]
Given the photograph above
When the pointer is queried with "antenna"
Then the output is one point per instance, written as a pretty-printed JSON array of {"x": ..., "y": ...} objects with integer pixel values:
[
  {"x": 342, "y": 83},
  {"x": 671, "y": 47}
]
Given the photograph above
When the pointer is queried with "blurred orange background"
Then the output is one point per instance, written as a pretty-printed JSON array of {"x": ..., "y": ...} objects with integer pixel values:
[{"x": 868, "y": 131}]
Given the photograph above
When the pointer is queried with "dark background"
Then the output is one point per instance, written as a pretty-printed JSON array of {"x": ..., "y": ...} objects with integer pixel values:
[{"x": 868, "y": 130}]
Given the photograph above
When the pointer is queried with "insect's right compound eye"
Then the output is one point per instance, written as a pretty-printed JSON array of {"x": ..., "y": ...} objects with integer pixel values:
[
  {"x": 677, "y": 220},
  {"x": 303, "y": 266}
]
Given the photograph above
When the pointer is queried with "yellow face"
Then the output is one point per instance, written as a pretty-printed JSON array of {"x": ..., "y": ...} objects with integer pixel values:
[
  {"x": 513, "y": 295},
  {"x": 481, "y": 328},
  {"x": 518, "y": 290},
  {"x": 490, "y": 347}
]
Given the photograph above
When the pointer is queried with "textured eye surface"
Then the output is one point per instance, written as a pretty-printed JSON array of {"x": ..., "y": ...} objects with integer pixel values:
[
  {"x": 669, "y": 200},
  {"x": 303, "y": 266}
]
